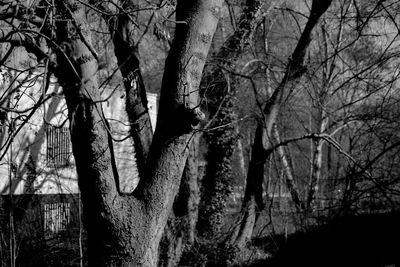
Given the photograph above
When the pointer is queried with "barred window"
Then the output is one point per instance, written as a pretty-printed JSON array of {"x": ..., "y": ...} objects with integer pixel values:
[
  {"x": 56, "y": 218},
  {"x": 58, "y": 145}
]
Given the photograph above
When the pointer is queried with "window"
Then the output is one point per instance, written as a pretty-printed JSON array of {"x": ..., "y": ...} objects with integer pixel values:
[
  {"x": 58, "y": 145},
  {"x": 56, "y": 218}
]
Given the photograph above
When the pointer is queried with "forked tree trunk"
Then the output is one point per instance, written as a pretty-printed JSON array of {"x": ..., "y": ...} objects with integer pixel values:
[
  {"x": 179, "y": 232},
  {"x": 126, "y": 230}
]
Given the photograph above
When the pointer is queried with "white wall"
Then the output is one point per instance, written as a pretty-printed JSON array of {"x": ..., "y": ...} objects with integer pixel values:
[{"x": 28, "y": 150}]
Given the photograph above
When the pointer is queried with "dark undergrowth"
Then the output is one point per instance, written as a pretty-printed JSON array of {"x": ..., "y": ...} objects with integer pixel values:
[{"x": 363, "y": 240}]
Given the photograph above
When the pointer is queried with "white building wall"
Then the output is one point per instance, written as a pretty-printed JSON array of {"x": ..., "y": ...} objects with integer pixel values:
[{"x": 26, "y": 162}]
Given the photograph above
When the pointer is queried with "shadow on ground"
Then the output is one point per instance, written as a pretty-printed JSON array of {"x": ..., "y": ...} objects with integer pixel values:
[{"x": 364, "y": 240}]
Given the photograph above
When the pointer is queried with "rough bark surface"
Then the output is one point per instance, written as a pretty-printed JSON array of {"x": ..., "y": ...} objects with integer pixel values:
[
  {"x": 126, "y": 230},
  {"x": 187, "y": 202},
  {"x": 222, "y": 141},
  {"x": 179, "y": 233},
  {"x": 217, "y": 184},
  {"x": 89, "y": 136}
]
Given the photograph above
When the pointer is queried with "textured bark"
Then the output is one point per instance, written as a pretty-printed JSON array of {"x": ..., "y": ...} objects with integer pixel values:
[
  {"x": 126, "y": 230},
  {"x": 77, "y": 75},
  {"x": 176, "y": 234},
  {"x": 178, "y": 104},
  {"x": 179, "y": 233},
  {"x": 222, "y": 141},
  {"x": 187, "y": 202},
  {"x": 242, "y": 37},
  {"x": 172, "y": 243},
  {"x": 217, "y": 184}
]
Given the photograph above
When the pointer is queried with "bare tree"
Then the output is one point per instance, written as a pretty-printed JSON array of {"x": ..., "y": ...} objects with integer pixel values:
[
  {"x": 122, "y": 230},
  {"x": 295, "y": 68}
]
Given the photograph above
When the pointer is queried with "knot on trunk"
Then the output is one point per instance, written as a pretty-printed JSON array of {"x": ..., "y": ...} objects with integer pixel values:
[
  {"x": 196, "y": 116},
  {"x": 190, "y": 116},
  {"x": 185, "y": 119}
]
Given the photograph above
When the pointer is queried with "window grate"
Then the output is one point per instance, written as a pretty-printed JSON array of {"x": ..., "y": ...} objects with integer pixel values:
[
  {"x": 56, "y": 218},
  {"x": 58, "y": 145}
]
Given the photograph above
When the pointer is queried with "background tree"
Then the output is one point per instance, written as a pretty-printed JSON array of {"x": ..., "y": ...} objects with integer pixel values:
[{"x": 300, "y": 98}]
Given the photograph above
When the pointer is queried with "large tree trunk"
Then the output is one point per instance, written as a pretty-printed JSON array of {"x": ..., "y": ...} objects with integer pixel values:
[
  {"x": 172, "y": 242},
  {"x": 217, "y": 184},
  {"x": 179, "y": 232},
  {"x": 90, "y": 138},
  {"x": 222, "y": 141},
  {"x": 126, "y": 230}
]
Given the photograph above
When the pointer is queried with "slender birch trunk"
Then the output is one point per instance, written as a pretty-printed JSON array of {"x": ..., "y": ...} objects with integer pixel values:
[{"x": 316, "y": 169}]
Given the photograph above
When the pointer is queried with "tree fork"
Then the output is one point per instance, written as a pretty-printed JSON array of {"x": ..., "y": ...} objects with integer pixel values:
[{"x": 126, "y": 230}]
